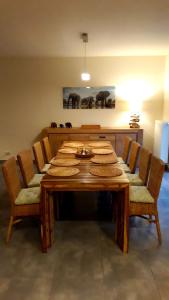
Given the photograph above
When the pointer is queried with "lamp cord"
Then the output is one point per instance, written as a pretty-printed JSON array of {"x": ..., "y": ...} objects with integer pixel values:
[{"x": 85, "y": 59}]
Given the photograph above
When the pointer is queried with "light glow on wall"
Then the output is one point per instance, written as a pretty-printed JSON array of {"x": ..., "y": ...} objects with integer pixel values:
[
  {"x": 167, "y": 84},
  {"x": 135, "y": 91},
  {"x": 122, "y": 120}
]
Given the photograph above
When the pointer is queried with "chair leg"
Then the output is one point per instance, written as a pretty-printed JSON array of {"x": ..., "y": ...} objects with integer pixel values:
[
  {"x": 114, "y": 218},
  {"x": 9, "y": 231},
  {"x": 150, "y": 219},
  {"x": 158, "y": 228},
  {"x": 41, "y": 234}
]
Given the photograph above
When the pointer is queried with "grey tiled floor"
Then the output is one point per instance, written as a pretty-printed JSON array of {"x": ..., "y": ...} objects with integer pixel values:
[{"x": 84, "y": 262}]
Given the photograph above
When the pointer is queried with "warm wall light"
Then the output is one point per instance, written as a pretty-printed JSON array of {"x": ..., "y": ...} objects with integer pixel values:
[
  {"x": 85, "y": 76},
  {"x": 135, "y": 92}
]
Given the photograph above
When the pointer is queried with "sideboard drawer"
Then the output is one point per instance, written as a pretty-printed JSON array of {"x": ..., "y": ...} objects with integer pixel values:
[{"x": 103, "y": 137}]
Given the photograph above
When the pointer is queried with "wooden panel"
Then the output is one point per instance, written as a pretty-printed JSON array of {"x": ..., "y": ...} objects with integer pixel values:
[
  {"x": 79, "y": 137},
  {"x": 93, "y": 126}
]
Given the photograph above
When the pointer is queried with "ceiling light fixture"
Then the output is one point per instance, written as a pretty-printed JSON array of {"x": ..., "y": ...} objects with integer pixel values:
[{"x": 85, "y": 76}]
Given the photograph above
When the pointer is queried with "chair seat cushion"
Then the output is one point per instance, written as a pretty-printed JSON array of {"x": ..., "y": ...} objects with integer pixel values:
[
  {"x": 28, "y": 196},
  {"x": 120, "y": 160},
  {"x": 35, "y": 181},
  {"x": 140, "y": 194},
  {"x": 125, "y": 168},
  {"x": 52, "y": 159},
  {"x": 134, "y": 179},
  {"x": 45, "y": 168}
]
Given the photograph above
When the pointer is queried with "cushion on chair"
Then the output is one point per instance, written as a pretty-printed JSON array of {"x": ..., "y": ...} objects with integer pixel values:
[
  {"x": 52, "y": 159},
  {"x": 120, "y": 160},
  {"x": 140, "y": 194},
  {"x": 45, "y": 168},
  {"x": 35, "y": 181},
  {"x": 134, "y": 179},
  {"x": 125, "y": 168},
  {"x": 28, "y": 196}
]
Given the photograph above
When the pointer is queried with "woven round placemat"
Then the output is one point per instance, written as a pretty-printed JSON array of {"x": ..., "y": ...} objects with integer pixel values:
[
  {"x": 63, "y": 171},
  {"x": 105, "y": 171},
  {"x": 73, "y": 144},
  {"x": 98, "y": 144},
  {"x": 102, "y": 151},
  {"x": 99, "y": 159},
  {"x": 67, "y": 150},
  {"x": 65, "y": 162}
]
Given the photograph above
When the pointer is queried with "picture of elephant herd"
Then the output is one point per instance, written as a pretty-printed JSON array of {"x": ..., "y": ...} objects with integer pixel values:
[{"x": 89, "y": 98}]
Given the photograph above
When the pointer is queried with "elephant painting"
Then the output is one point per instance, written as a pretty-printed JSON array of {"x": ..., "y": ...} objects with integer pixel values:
[
  {"x": 101, "y": 99},
  {"x": 73, "y": 100},
  {"x": 110, "y": 103},
  {"x": 89, "y": 97},
  {"x": 87, "y": 102}
]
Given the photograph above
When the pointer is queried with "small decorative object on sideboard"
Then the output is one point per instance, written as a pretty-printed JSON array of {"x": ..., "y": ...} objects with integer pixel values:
[
  {"x": 68, "y": 125},
  {"x": 61, "y": 126},
  {"x": 53, "y": 125},
  {"x": 134, "y": 120}
]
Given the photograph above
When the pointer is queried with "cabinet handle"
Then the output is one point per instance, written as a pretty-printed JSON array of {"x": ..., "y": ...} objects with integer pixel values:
[{"x": 102, "y": 136}]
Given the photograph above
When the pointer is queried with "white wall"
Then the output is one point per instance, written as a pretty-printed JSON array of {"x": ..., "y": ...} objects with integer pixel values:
[
  {"x": 31, "y": 95},
  {"x": 166, "y": 91}
]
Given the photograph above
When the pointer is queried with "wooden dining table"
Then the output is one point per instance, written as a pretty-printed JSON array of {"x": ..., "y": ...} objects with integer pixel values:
[{"x": 85, "y": 181}]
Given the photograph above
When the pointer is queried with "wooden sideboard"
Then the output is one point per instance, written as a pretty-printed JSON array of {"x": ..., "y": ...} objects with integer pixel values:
[{"x": 115, "y": 135}]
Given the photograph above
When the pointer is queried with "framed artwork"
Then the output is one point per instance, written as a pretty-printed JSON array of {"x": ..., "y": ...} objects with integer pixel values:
[{"x": 89, "y": 98}]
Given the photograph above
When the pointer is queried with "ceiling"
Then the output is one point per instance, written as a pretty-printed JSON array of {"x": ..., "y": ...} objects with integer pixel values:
[{"x": 115, "y": 28}]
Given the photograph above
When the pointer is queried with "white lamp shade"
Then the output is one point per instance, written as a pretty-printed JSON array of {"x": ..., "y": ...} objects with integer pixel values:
[{"x": 85, "y": 76}]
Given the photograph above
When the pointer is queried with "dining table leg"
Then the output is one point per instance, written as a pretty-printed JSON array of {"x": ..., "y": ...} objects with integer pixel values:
[
  {"x": 122, "y": 218},
  {"x": 45, "y": 225},
  {"x": 51, "y": 219}
]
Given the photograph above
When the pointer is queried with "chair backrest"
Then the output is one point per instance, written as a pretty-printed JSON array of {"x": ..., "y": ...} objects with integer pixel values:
[
  {"x": 9, "y": 169},
  {"x": 126, "y": 148},
  {"x": 39, "y": 159},
  {"x": 155, "y": 176},
  {"x": 134, "y": 152},
  {"x": 144, "y": 164},
  {"x": 47, "y": 149},
  {"x": 26, "y": 166},
  {"x": 90, "y": 126}
]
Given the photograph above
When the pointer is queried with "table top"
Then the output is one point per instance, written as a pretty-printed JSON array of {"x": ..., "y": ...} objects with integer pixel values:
[{"x": 84, "y": 180}]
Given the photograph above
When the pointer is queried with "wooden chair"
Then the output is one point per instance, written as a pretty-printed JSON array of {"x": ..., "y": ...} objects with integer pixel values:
[
  {"x": 39, "y": 159},
  {"x": 126, "y": 150},
  {"x": 134, "y": 152},
  {"x": 47, "y": 149},
  {"x": 24, "y": 202},
  {"x": 30, "y": 179},
  {"x": 143, "y": 199},
  {"x": 144, "y": 167}
]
